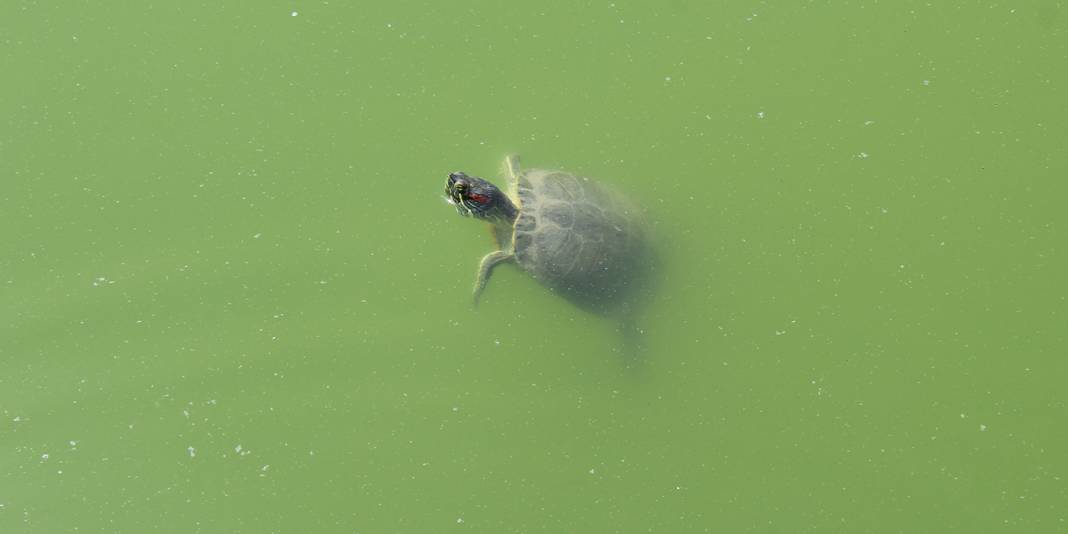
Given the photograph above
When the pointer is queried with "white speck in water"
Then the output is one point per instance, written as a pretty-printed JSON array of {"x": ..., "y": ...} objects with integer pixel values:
[
  {"x": 73, "y": 443},
  {"x": 265, "y": 468},
  {"x": 257, "y": 235},
  {"x": 863, "y": 155},
  {"x": 868, "y": 123},
  {"x": 667, "y": 78},
  {"x": 237, "y": 449},
  {"x": 927, "y": 82},
  {"x": 192, "y": 452},
  {"x": 760, "y": 114},
  {"x": 322, "y": 282},
  {"x": 293, "y": 14},
  {"x": 592, "y": 471},
  {"x": 17, "y": 419},
  {"x": 459, "y": 520},
  {"x": 44, "y": 457},
  {"x": 982, "y": 428}
]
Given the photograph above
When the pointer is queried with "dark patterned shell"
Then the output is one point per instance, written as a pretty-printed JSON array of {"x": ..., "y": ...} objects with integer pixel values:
[{"x": 576, "y": 236}]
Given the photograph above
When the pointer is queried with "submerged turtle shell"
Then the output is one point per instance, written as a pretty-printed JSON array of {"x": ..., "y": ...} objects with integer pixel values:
[{"x": 576, "y": 236}]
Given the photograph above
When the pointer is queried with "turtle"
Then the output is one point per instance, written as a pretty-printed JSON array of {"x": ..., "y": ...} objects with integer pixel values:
[{"x": 574, "y": 235}]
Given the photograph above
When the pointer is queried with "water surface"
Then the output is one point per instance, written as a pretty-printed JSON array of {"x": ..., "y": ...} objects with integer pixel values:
[{"x": 232, "y": 300}]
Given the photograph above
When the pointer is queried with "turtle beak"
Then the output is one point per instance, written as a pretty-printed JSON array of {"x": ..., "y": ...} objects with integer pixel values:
[
  {"x": 460, "y": 208},
  {"x": 453, "y": 186}
]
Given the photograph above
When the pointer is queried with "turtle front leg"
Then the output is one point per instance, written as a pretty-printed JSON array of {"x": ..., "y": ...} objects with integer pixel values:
[
  {"x": 511, "y": 167},
  {"x": 485, "y": 268}
]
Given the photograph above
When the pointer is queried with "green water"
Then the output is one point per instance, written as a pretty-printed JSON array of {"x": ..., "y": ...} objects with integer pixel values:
[{"x": 232, "y": 299}]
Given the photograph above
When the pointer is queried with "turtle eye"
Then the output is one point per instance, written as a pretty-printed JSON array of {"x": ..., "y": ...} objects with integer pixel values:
[{"x": 460, "y": 187}]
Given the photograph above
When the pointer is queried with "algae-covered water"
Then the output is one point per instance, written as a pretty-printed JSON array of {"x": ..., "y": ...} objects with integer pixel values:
[{"x": 232, "y": 298}]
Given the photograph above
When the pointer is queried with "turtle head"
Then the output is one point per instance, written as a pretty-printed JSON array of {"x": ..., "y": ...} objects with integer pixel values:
[{"x": 475, "y": 197}]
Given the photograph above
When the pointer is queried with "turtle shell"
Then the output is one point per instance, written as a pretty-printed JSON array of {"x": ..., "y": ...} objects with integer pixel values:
[{"x": 576, "y": 236}]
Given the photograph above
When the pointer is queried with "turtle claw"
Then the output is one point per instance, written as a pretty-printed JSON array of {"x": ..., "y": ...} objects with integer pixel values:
[{"x": 485, "y": 269}]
